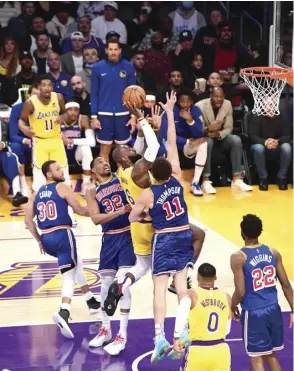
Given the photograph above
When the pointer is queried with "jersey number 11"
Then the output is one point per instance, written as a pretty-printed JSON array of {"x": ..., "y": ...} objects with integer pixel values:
[{"x": 49, "y": 125}]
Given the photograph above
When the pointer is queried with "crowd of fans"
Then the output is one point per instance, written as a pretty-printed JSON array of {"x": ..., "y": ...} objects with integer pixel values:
[{"x": 168, "y": 50}]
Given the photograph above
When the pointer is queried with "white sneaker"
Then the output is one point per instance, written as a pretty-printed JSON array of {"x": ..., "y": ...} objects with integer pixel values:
[
  {"x": 208, "y": 188},
  {"x": 241, "y": 185},
  {"x": 196, "y": 189},
  {"x": 116, "y": 346},
  {"x": 103, "y": 336}
]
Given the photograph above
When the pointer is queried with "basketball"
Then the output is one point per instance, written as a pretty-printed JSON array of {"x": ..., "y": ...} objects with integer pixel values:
[{"x": 135, "y": 95}]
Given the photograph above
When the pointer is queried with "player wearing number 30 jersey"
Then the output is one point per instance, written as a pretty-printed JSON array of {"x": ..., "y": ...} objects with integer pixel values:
[{"x": 256, "y": 268}]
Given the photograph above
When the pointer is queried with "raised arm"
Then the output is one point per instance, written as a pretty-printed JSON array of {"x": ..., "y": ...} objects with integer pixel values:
[
  {"x": 67, "y": 193},
  {"x": 145, "y": 200},
  {"x": 237, "y": 264},
  {"x": 29, "y": 222},
  {"x": 27, "y": 110},
  {"x": 94, "y": 211}
]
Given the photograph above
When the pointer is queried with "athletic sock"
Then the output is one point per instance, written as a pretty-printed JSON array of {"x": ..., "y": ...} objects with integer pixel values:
[
  {"x": 88, "y": 295},
  {"x": 159, "y": 329},
  {"x": 197, "y": 173},
  {"x": 23, "y": 182},
  {"x": 124, "y": 319},
  {"x": 65, "y": 306},
  {"x": 105, "y": 320},
  {"x": 15, "y": 185}
]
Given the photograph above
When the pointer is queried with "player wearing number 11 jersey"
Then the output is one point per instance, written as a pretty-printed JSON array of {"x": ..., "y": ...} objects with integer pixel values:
[{"x": 256, "y": 268}]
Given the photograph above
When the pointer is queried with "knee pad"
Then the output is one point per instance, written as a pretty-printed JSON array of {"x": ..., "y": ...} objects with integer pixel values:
[
  {"x": 68, "y": 286},
  {"x": 106, "y": 281},
  {"x": 38, "y": 179}
]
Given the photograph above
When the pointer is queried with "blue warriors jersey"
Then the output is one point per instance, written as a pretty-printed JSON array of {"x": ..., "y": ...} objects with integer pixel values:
[
  {"x": 51, "y": 209},
  {"x": 73, "y": 131},
  {"x": 260, "y": 278},
  {"x": 111, "y": 197},
  {"x": 169, "y": 207}
]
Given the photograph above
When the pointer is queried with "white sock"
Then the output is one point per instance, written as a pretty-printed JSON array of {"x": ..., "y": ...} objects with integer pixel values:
[
  {"x": 88, "y": 295},
  {"x": 200, "y": 160},
  {"x": 159, "y": 329},
  {"x": 86, "y": 179},
  {"x": 124, "y": 319},
  {"x": 23, "y": 182},
  {"x": 128, "y": 282},
  {"x": 190, "y": 272},
  {"x": 15, "y": 185},
  {"x": 105, "y": 320},
  {"x": 65, "y": 306}
]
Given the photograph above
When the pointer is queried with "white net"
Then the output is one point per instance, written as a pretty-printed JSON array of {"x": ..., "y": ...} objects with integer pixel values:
[{"x": 266, "y": 90}]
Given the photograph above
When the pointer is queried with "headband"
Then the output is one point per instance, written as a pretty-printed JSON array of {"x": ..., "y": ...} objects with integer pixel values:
[
  {"x": 72, "y": 105},
  {"x": 150, "y": 97}
]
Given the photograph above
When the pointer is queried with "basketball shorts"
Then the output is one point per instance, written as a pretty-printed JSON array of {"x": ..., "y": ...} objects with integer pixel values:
[
  {"x": 172, "y": 251},
  {"x": 48, "y": 149},
  {"x": 61, "y": 244},
  {"x": 207, "y": 357},
  {"x": 9, "y": 165},
  {"x": 116, "y": 252},
  {"x": 20, "y": 150},
  {"x": 113, "y": 129},
  {"x": 142, "y": 233},
  {"x": 263, "y": 330}
]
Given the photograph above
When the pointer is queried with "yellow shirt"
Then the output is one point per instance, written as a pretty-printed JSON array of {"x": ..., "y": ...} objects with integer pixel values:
[
  {"x": 208, "y": 320},
  {"x": 3, "y": 70},
  {"x": 43, "y": 120}
]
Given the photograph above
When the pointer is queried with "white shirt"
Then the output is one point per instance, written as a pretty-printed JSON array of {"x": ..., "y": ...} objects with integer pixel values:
[
  {"x": 78, "y": 62},
  {"x": 100, "y": 27}
]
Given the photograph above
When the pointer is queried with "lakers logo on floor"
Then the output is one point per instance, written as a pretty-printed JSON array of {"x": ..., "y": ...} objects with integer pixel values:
[{"x": 25, "y": 280}]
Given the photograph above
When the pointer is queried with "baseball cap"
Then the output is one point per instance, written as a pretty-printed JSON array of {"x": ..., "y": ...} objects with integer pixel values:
[
  {"x": 24, "y": 55},
  {"x": 112, "y": 34},
  {"x": 77, "y": 35},
  {"x": 185, "y": 35},
  {"x": 113, "y": 4}
]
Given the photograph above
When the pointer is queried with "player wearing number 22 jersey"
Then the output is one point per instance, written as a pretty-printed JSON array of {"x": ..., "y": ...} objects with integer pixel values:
[{"x": 256, "y": 268}]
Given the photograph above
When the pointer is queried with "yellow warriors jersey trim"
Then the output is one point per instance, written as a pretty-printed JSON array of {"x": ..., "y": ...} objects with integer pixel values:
[
  {"x": 208, "y": 320},
  {"x": 43, "y": 119}
]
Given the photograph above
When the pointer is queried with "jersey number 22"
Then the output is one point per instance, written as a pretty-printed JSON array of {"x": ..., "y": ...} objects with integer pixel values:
[{"x": 264, "y": 278}]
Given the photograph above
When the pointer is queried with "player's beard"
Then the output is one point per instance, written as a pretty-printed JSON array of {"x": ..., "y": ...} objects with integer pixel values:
[
  {"x": 59, "y": 180},
  {"x": 135, "y": 158}
]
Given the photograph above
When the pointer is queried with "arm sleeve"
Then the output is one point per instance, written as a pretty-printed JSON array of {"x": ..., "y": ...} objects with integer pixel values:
[
  {"x": 88, "y": 141},
  {"x": 139, "y": 145},
  {"x": 15, "y": 135},
  {"x": 254, "y": 131},
  {"x": 182, "y": 316},
  {"x": 94, "y": 91},
  {"x": 151, "y": 140}
]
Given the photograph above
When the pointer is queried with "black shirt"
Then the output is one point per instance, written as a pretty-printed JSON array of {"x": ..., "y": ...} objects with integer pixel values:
[
  {"x": 41, "y": 64},
  {"x": 85, "y": 103}
]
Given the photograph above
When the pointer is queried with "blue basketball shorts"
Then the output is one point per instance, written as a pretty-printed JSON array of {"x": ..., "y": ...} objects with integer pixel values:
[
  {"x": 117, "y": 251},
  {"x": 113, "y": 129},
  {"x": 62, "y": 245},
  {"x": 9, "y": 165},
  {"x": 20, "y": 150},
  {"x": 263, "y": 331},
  {"x": 172, "y": 252}
]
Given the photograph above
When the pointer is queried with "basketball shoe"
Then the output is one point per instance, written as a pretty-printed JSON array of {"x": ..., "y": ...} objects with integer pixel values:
[
  {"x": 113, "y": 297},
  {"x": 161, "y": 347},
  {"x": 184, "y": 339},
  {"x": 104, "y": 336},
  {"x": 61, "y": 320},
  {"x": 116, "y": 346},
  {"x": 93, "y": 305}
]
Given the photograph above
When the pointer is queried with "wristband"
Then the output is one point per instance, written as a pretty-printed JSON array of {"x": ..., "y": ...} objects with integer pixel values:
[
  {"x": 93, "y": 116},
  {"x": 265, "y": 143},
  {"x": 23, "y": 141},
  {"x": 140, "y": 119}
]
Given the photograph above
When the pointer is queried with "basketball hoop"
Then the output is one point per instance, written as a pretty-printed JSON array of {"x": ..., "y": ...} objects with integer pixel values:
[{"x": 266, "y": 85}]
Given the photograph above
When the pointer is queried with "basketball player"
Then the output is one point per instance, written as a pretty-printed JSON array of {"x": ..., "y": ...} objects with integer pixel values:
[
  {"x": 78, "y": 138},
  {"x": 208, "y": 312},
  {"x": 42, "y": 111},
  {"x": 172, "y": 242},
  {"x": 256, "y": 268},
  {"x": 109, "y": 207},
  {"x": 50, "y": 205}
]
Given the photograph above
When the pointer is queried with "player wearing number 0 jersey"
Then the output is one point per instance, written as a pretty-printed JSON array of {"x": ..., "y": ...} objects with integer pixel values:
[
  {"x": 42, "y": 111},
  {"x": 256, "y": 268},
  {"x": 51, "y": 208},
  {"x": 208, "y": 312}
]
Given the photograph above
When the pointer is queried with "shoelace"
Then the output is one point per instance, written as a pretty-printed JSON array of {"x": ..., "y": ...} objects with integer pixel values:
[
  {"x": 103, "y": 331},
  {"x": 118, "y": 339}
]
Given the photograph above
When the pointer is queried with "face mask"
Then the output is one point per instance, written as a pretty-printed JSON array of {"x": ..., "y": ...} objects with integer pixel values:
[
  {"x": 89, "y": 66},
  {"x": 157, "y": 45},
  {"x": 187, "y": 4}
]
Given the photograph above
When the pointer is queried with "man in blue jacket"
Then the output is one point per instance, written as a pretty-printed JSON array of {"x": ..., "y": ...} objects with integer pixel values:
[
  {"x": 110, "y": 118},
  {"x": 190, "y": 135},
  {"x": 20, "y": 144}
]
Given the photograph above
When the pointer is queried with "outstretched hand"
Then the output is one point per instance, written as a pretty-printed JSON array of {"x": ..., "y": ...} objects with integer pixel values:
[
  {"x": 156, "y": 117},
  {"x": 134, "y": 109},
  {"x": 170, "y": 102}
]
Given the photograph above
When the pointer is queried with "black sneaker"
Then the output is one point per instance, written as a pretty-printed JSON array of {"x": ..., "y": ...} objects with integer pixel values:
[
  {"x": 93, "y": 305},
  {"x": 19, "y": 199},
  {"x": 113, "y": 297},
  {"x": 61, "y": 320},
  {"x": 282, "y": 183},
  {"x": 172, "y": 288}
]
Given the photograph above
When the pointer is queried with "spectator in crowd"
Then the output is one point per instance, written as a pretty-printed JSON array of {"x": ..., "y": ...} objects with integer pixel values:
[
  {"x": 8, "y": 10},
  {"x": 157, "y": 61},
  {"x": 186, "y": 17},
  {"x": 175, "y": 83},
  {"x": 24, "y": 79},
  {"x": 41, "y": 53},
  {"x": 90, "y": 9},
  {"x": 9, "y": 58},
  {"x": 170, "y": 38},
  {"x": 217, "y": 115},
  {"x": 286, "y": 59},
  {"x": 109, "y": 116},
  {"x": 19, "y": 27},
  {"x": 144, "y": 77},
  {"x": 9, "y": 166},
  {"x": 39, "y": 26},
  {"x": 107, "y": 22},
  {"x": 257, "y": 55},
  {"x": 271, "y": 136},
  {"x": 190, "y": 134},
  {"x": 20, "y": 144},
  {"x": 195, "y": 71},
  {"x": 127, "y": 51},
  {"x": 207, "y": 36},
  {"x": 72, "y": 62},
  {"x": 139, "y": 26},
  {"x": 227, "y": 53},
  {"x": 81, "y": 96},
  {"x": 90, "y": 41},
  {"x": 60, "y": 80},
  {"x": 58, "y": 26},
  {"x": 90, "y": 59},
  {"x": 183, "y": 54}
]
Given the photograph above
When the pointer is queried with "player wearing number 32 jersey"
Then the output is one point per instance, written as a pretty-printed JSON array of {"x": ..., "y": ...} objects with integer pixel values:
[{"x": 256, "y": 268}]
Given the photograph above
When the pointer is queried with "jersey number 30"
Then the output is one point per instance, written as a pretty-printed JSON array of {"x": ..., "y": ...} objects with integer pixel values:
[
  {"x": 47, "y": 211},
  {"x": 264, "y": 278}
]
